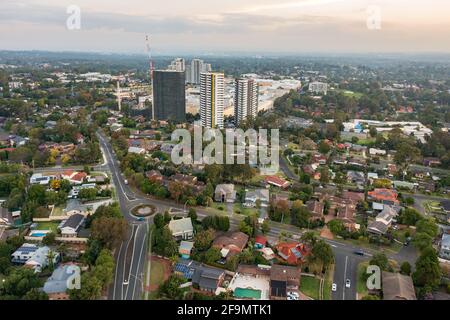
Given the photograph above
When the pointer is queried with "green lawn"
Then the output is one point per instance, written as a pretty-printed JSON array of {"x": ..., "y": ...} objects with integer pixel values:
[
  {"x": 156, "y": 273},
  {"x": 361, "y": 286},
  {"x": 48, "y": 226},
  {"x": 58, "y": 211},
  {"x": 238, "y": 208},
  {"x": 328, "y": 283},
  {"x": 310, "y": 286}
]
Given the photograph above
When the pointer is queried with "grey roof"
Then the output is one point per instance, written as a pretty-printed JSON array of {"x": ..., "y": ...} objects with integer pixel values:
[
  {"x": 445, "y": 242},
  {"x": 378, "y": 227},
  {"x": 75, "y": 204},
  {"x": 58, "y": 281},
  {"x": 74, "y": 221},
  {"x": 207, "y": 277}
]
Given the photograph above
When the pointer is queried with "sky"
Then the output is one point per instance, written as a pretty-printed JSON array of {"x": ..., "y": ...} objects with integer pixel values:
[{"x": 201, "y": 26}]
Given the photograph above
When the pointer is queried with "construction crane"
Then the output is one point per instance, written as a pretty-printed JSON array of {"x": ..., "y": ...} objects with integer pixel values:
[{"x": 150, "y": 59}]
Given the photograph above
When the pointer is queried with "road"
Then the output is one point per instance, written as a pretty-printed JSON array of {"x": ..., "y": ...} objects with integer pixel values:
[{"x": 129, "y": 273}]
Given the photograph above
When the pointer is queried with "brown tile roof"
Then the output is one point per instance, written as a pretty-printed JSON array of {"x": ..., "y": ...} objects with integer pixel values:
[
  {"x": 397, "y": 287},
  {"x": 234, "y": 241}
]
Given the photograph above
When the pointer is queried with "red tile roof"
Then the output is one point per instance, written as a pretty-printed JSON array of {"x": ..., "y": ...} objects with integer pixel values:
[{"x": 276, "y": 181}]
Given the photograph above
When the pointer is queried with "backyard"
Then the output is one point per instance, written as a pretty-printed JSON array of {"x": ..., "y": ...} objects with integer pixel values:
[
  {"x": 53, "y": 226},
  {"x": 310, "y": 286}
]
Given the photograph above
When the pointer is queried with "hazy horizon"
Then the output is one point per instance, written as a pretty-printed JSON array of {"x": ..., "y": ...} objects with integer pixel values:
[{"x": 246, "y": 27}]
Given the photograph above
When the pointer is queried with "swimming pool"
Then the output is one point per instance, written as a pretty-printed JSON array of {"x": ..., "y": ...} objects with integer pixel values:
[
  {"x": 248, "y": 293},
  {"x": 38, "y": 234}
]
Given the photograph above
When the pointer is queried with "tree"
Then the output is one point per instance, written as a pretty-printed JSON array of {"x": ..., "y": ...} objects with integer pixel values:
[
  {"x": 158, "y": 220},
  {"x": 336, "y": 226},
  {"x": 322, "y": 254},
  {"x": 164, "y": 244},
  {"x": 91, "y": 288},
  {"x": 20, "y": 281},
  {"x": 324, "y": 147},
  {"x": 381, "y": 260},
  {"x": 265, "y": 228},
  {"x": 35, "y": 294},
  {"x": 405, "y": 268},
  {"x": 104, "y": 267},
  {"x": 370, "y": 297},
  {"x": 212, "y": 255},
  {"x": 309, "y": 237},
  {"x": 409, "y": 217},
  {"x": 192, "y": 214},
  {"x": 428, "y": 271},
  {"x": 171, "y": 287},
  {"x": 427, "y": 226},
  {"x": 49, "y": 239},
  {"x": 422, "y": 241},
  {"x": 203, "y": 239},
  {"x": 109, "y": 231}
]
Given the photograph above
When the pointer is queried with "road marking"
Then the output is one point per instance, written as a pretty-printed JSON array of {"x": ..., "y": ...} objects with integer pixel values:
[
  {"x": 345, "y": 278},
  {"x": 117, "y": 269},
  {"x": 125, "y": 260},
  {"x": 138, "y": 267},
  {"x": 132, "y": 259}
]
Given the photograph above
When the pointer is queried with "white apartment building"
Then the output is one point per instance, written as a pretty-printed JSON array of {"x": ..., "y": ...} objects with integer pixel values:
[
  {"x": 196, "y": 67},
  {"x": 212, "y": 99},
  {"x": 178, "y": 64},
  {"x": 245, "y": 99},
  {"x": 318, "y": 87}
]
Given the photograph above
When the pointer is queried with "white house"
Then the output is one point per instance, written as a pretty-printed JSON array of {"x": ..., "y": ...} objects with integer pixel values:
[
  {"x": 259, "y": 194},
  {"x": 136, "y": 150},
  {"x": 182, "y": 229},
  {"x": 70, "y": 227},
  {"x": 36, "y": 258}
]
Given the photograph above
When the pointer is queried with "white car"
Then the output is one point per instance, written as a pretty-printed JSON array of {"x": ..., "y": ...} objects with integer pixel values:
[
  {"x": 347, "y": 283},
  {"x": 334, "y": 287}
]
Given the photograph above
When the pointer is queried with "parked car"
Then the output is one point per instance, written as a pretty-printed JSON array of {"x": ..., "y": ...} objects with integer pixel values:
[
  {"x": 334, "y": 287},
  {"x": 347, "y": 283}
]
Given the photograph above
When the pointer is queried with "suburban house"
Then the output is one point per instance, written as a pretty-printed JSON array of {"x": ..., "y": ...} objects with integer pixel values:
[
  {"x": 154, "y": 176},
  {"x": 383, "y": 221},
  {"x": 259, "y": 194},
  {"x": 182, "y": 229},
  {"x": 386, "y": 196},
  {"x": 397, "y": 287},
  {"x": 24, "y": 253},
  {"x": 34, "y": 257},
  {"x": 74, "y": 177},
  {"x": 225, "y": 193},
  {"x": 283, "y": 279},
  {"x": 356, "y": 177},
  {"x": 74, "y": 206},
  {"x": 39, "y": 178},
  {"x": 230, "y": 243},
  {"x": 185, "y": 249},
  {"x": 292, "y": 252},
  {"x": 316, "y": 209},
  {"x": 444, "y": 251},
  {"x": 207, "y": 278},
  {"x": 56, "y": 286},
  {"x": 70, "y": 227},
  {"x": 277, "y": 182},
  {"x": 260, "y": 242},
  {"x": 136, "y": 150}
]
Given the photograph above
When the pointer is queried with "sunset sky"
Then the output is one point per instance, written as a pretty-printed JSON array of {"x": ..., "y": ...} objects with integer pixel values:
[{"x": 199, "y": 26}]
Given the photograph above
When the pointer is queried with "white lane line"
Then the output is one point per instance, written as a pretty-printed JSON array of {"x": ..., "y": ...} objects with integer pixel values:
[
  {"x": 117, "y": 269},
  {"x": 125, "y": 260},
  {"x": 132, "y": 259},
  {"x": 345, "y": 278},
  {"x": 137, "y": 269}
]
